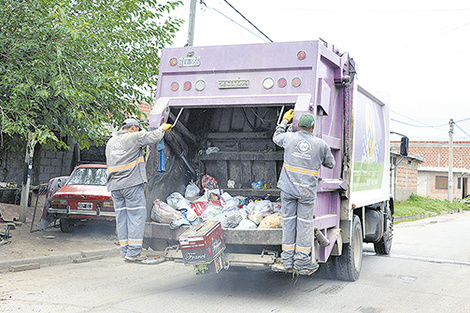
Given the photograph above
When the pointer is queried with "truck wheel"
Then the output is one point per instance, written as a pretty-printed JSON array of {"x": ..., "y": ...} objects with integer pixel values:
[
  {"x": 348, "y": 265},
  {"x": 66, "y": 226},
  {"x": 384, "y": 245}
]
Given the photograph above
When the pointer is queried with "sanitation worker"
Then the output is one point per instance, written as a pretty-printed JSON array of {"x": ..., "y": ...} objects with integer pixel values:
[
  {"x": 304, "y": 154},
  {"x": 126, "y": 178}
]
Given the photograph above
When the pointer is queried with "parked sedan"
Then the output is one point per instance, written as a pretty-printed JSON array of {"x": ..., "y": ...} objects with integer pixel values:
[{"x": 84, "y": 196}]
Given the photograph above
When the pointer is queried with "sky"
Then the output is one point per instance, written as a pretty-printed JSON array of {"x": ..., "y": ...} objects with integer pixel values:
[{"x": 416, "y": 54}]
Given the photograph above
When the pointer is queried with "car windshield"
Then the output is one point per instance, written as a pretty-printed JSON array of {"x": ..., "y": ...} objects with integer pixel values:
[{"x": 89, "y": 176}]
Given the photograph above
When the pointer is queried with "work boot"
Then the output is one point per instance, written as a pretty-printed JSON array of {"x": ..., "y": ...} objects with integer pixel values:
[
  {"x": 308, "y": 269},
  {"x": 281, "y": 267},
  {"x": 135, "y": 259}
]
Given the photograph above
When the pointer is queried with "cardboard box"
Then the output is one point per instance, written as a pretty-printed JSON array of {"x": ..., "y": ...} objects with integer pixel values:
[
  {"x": 202, "y": 243},
  {"x": 212, "y": 268}
]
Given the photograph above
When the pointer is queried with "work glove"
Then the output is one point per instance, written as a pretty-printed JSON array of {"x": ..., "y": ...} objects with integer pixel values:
[
  {"x": 167, "y": 126},
  {"x": 288, "y": 115}
]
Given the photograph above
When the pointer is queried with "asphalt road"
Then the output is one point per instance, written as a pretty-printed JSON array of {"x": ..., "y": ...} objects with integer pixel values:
[{"x": 427, "y": 271}]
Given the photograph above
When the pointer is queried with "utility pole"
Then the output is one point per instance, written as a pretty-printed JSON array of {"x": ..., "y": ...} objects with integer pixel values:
[
  {"x": 27, "y": 179},
  {"x": 191, "y": 22},
  {"x": 451, "y": 158}
]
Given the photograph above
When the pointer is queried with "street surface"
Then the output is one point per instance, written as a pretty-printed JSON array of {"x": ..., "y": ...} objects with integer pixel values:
[{"x": 428, "y": 271}]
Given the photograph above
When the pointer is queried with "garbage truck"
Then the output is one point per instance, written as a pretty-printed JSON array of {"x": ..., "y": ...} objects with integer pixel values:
[{"x": 225, "y": 103}]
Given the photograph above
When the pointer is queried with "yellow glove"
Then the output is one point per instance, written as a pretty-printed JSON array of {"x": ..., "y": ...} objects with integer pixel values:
[
  {"x": 288, "y": 115},
  {"x": 167, "y": 126}
]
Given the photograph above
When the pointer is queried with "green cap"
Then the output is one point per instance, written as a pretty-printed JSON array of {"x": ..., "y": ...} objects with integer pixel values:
[{"x": 306, "y": 121}]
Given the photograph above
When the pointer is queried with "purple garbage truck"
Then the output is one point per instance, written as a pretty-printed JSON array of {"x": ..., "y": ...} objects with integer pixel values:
[{"x": 225, "y": 103}]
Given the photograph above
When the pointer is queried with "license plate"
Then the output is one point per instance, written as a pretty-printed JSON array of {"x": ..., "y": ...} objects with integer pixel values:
[
  {"x": 85, "y": 206},
  {"x": 189, "y": 61}
]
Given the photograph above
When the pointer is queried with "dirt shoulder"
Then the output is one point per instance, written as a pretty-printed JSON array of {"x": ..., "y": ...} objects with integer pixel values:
[{"x": 24, "y": 244}]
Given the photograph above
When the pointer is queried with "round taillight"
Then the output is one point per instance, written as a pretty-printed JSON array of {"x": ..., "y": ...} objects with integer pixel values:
[
  {"x": 173, "y": 61},
  {"x": 175, "y": 86},
  {"x": 268, "y": 83},
  {"x": 200, "y": 85},
  {"x": 187, "y": 86},
  {"x": 301, "y": 55},
  {"x": 282, "y": 82},
  {"x": 296, "y": 82}
]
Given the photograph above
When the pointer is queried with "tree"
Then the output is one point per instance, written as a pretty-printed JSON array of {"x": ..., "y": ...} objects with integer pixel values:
[{"x": 68, "y": 67}]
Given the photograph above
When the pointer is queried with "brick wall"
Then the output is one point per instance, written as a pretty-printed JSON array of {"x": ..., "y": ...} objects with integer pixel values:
[{"x": 436, "y": 153}]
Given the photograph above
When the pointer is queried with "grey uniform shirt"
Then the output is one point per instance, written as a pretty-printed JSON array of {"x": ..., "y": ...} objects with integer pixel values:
[
  {"x": 125, "y": 157},
  {"x": 304, "y": 154}
]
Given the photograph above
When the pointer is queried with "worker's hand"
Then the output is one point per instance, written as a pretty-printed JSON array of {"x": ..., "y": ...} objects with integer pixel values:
[
  {"x": 288, "y": 115},
  {"x": 167, "y": 126}
]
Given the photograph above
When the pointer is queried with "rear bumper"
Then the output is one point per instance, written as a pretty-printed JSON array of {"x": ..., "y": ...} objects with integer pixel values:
[{"x": 81, "y": 213}]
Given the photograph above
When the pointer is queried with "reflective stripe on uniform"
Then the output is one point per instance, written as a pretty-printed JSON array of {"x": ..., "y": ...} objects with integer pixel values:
[
  {"x": 288, "y": 247},
  {"x": 135, "y": 242},
  {"x": 289, "y": 218},
  {"x": 300, "y": 170},
  {"x": 126, "y": 166},
  {"x": 304, "y": 220},
  {"x": 303, "y": 249},
  {"x": 123, "y": 242}
]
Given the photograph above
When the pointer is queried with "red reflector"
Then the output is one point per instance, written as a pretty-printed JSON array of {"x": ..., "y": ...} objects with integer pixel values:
[
  {"x": 187, "y": 86},
  {"x": 175, "y": 86},
  {"x": 282, "y": 82},
  {"x": 173, "y": 61},
  {"x": 301, "y": 55},
  {"x": 296, "y": 82}
]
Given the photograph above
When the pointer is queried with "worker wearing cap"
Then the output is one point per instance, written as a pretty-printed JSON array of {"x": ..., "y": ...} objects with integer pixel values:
[
  {"x": 126, "y": 178},
  {"x": 304, "y": 154}
]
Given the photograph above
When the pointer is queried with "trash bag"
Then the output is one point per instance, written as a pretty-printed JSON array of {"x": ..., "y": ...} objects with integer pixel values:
[
  {"x": 230, "y": 219},
  {"x": 184, "y": 220},
  {"x": 192, "y": 190},
  {"x": 211, "y": 212},
  {"x": 177, "y": 201},
  {"x": 209, "y": 182},
  {"x": 264, "y": 207},
  {"x": 246, "y": 224},
  {"x": 200, "y": 206},
  {"x": 271, "y": 221},
  {"x": 256, "y": 217},
  {"x": 164, "y": 213}
]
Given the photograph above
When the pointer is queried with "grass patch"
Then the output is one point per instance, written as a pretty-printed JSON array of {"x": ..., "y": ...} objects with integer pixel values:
[{"x": 417, "y": 205}]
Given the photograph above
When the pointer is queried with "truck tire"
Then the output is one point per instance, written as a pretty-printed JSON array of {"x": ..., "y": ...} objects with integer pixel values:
[
  {"x": 384, "y": 245},
  {"x": 348, "y": 265},
  {"x": 66, "y": 226}
]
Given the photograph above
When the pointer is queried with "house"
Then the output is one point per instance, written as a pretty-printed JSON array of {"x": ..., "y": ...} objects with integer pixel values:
[
  {"x": 404, "y": 174},
  {"x": 433, "y": 173}
]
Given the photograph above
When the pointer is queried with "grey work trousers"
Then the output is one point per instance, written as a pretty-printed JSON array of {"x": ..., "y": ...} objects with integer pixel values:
[
  {"x": 297, "y": 230},
  {"x": 130, "y": 208}
]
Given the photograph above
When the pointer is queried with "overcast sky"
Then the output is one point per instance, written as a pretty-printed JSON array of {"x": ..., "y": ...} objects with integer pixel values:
[{"x": 417, "y": 53}]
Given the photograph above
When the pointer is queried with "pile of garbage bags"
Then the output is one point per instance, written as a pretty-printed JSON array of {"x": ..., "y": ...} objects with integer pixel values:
[{"x": 236, "y": 212}]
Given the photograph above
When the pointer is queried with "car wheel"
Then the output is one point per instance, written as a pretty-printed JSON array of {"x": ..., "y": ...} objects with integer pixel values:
[{"x": 66, "y": 225}]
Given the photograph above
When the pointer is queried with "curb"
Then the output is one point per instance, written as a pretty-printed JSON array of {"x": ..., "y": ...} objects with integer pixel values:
[
  {"x": 60, "y": 259},
  {"x": 406, "y": 218}
]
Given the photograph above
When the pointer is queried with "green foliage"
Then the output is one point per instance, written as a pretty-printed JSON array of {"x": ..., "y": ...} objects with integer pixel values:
[
  {"x": 417, "y": 205},
  {"x": 68, "y": 67}
]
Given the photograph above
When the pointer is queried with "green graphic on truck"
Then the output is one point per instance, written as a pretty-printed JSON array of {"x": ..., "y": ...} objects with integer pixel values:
[{"x": 369, "y": 147}]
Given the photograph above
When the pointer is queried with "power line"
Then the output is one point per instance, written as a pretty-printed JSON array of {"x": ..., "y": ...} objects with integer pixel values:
[
  {"x": 202, "y": 2},
  {"x": 248, "y": 21},
  {"x": 461, "y": 129}
]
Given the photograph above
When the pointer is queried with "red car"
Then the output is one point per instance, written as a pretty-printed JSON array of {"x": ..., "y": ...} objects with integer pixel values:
[{"x": 84, "y": 196}]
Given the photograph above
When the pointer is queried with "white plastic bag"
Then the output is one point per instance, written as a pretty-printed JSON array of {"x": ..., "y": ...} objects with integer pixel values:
[
  {"x": 163, "y": 213},
  {"x": 246, "y": 224},
  {"x": 192, "y": 190},
  {"x": 177, "y": 201}
]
